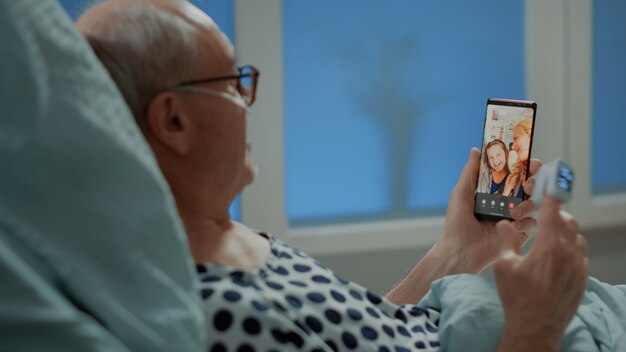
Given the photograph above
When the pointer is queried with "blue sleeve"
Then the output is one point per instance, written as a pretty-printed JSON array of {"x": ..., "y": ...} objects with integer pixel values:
[{"x": 472, "y": 317}]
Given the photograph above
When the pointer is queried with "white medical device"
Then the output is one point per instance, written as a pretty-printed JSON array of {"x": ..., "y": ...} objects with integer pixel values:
[{"x": 554, "y": 179}]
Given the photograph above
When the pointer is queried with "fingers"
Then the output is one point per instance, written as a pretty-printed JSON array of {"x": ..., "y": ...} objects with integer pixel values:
[
  {"x": 549, "y": 211},
  {"x": 535, "y": 164},
  {"x": 469, "y": 176},
  {"x": 529, "y": 186},
  {"x": 526, "y": 207},
  {"x": 555, "y": 227},
  {"x": 581, "y": 244},
  {"x": 525, "y": 224},
  {"x": 523, "y": 209},
  {"x": 551, "y": 224},
  {"x": 570, "y": 224}
]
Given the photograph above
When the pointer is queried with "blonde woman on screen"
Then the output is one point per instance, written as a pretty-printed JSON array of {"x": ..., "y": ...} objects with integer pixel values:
[{"x": 521, "y": 146}]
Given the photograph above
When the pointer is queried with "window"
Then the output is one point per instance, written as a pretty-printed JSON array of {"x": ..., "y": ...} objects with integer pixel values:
[
  {"x": 321, "y": 126},
  {"x": 548, "y": 51},
  {"x": 383, "y": 102},
  {"x": 75, "y": 8},
  {"x": 609, "y": 92}
]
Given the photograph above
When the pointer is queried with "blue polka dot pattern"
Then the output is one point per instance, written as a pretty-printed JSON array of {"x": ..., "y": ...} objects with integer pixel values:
[
  {"x": 389, "y": 331},
  {"x": 222, "y": 321},
  {"x": 295, "y": 339},
  {"x": 293, "y": 302},
  {"x": 337, "y": 296},
  {"x": 314, "y": 324},
  {"x": 279, "y": 336},
  {"x": 206, "y": 293},
  {"x": 403, "y": 331},
  {"x": 201, "y": 269},
  {"x": 285, "y": 255},
  {"x": 279, "y": 306},
  {"x": 354, "y": 314},
  {"x": 373, "y": 298},
  {"x": 331, "y": 344},
  {"x": 241, "y": 283},
  {"x": 208, "y": 279},
  {"x": 245, "y": 348},
  {"x": 349, "y": 340},
  {"x": 369, "y": 333},
  {"x": 260, "y": 306},
  {"x": 281, "y": 271},
  {"x": 251, "y": 326},
  {"x": 400, "y": 316},
  {"x": 416, "y": 311},
  {"x": 298, "y": 283},
  {"x": 417, "y": 328},
  {"x": 274, "y": 285},
  {"x": 218, "y": 347},
  {"x": 232, "y": 296},
  {"x": 301, "y": 268},
  {"x": 372, "y": 312},
  {"x": 333, "y": 316},
  {"x": 342, "y": 280},
  {"x": 316, "y": 297},
  {"x": 356, "y": 295},
  {"x": 320, "y": 279}
]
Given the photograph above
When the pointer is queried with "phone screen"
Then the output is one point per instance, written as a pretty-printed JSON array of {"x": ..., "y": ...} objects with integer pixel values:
[{"x": 505, "y": 157}]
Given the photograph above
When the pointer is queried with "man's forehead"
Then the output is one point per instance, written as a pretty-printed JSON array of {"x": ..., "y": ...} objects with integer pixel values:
[
  {"x": 210, "y": 37},
  {"x": 204, "y": 22},
  {"x": 182, "y": 8}
]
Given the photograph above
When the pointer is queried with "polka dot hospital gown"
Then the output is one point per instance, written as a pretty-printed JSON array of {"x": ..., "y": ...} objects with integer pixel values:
[{"x": 293, "y": 303}]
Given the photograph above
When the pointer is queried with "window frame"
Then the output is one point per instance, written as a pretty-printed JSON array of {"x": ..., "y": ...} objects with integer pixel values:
[{"x": 558, "y": 71}]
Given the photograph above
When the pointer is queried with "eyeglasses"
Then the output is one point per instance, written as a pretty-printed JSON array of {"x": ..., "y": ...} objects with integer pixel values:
[{"x": 247, "y": 80}]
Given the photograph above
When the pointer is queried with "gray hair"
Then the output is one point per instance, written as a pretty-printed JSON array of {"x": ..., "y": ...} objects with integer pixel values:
[{"x": 145, "y": 49}]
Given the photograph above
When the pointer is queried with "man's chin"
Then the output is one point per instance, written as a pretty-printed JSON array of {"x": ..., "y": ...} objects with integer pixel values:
[{"x": 252, "y": 172}]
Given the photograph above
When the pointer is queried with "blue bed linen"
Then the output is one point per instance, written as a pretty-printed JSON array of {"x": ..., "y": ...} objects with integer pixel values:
[
  {"x": 472, "y": 318},
  {"x": 86, "y": 218}
]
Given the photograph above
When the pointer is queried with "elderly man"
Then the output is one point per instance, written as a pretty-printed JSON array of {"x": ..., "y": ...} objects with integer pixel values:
[{"x": 178, "y": 74}]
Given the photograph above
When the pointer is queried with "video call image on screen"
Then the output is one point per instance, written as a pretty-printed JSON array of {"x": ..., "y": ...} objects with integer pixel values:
[{"x": 504, "y": 159}]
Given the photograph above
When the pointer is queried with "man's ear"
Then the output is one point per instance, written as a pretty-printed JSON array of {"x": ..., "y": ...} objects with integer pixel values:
[{"x": 168, "y": 123}]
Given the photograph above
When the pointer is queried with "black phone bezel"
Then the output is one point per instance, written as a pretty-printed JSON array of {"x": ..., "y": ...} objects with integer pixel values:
[{"x": 506, "y": 102}]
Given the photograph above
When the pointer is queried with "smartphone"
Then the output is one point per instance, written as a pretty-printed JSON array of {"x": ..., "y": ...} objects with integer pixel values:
[{"x": 504, "y": 157}]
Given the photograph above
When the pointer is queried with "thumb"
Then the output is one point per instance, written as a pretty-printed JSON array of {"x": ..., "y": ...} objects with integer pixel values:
[{"x": 466, "y": 185}]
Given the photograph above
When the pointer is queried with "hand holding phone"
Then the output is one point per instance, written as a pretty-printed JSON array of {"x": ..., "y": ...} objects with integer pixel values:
[{"x": 505, "y": 157}]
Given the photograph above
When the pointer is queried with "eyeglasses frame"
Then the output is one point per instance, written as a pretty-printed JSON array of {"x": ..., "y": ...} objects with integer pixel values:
[{"x": 254, "y": 74}]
